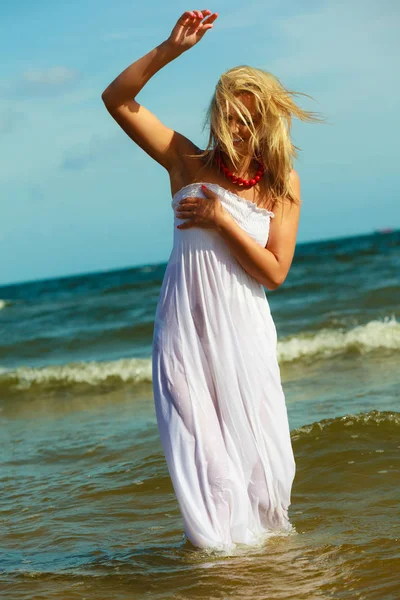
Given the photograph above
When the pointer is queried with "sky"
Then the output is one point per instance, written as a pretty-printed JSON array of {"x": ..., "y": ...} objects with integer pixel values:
[{"x": 78, "y": 196}]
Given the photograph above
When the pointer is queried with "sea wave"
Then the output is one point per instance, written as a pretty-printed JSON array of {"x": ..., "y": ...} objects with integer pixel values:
[
  {"x": 353, "y": 424},
  {"x": 353, "y": 450},
  {"x": 135, "y": 370},
  {"x": 4, "y": 303},
  {"x": 373, "y": 336}
]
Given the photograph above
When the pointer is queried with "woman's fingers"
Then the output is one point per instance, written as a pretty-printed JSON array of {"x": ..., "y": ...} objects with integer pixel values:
[
  {"x": 196, "y": 14},
  {"x": 193, "y": 17},
  {"x": 210, "y": 19},
  {"x": 187, "y": 207},
  {"x": 189, "y": 201},
  {"x": 191, "y": 27},
  {"x": 207, "y": 23},
  {"x": 189, "y": 14},
  {"x": 202, "y": 14},
  {"x": 186, "y": 19}
]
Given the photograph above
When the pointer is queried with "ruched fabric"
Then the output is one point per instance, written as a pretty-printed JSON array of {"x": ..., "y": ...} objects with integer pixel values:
[{"x": 219, "y": 402}]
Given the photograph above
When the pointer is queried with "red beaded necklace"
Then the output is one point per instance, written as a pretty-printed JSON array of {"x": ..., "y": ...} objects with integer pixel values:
[{"x": 239, "y": 180}]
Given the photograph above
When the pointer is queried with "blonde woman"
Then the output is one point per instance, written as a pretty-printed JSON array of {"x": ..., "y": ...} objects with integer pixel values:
[{"x": 219, "y": 402}]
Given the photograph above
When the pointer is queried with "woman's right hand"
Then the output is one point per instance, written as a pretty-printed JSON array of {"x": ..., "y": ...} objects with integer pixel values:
[{"x": 190, "y": 28}]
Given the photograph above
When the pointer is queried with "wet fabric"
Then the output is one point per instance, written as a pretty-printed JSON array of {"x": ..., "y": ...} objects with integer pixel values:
[{"x": 219, "y": 402}]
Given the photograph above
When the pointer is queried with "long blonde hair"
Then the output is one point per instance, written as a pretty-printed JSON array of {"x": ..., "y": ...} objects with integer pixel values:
[{"x": 270, "y": 141}]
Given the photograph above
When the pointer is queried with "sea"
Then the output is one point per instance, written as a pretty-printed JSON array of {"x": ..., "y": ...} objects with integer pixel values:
[{"x": 87, "y": 508}]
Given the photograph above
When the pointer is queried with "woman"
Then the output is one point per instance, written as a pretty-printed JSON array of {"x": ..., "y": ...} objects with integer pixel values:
[{"x": 219, "y": 402}]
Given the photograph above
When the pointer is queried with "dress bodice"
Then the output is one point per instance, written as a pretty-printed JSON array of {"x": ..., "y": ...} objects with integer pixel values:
[{"x": 253, "y": 219}]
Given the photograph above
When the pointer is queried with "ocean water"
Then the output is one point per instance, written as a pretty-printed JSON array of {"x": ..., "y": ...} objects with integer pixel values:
[{"x": 87, "y": 509}]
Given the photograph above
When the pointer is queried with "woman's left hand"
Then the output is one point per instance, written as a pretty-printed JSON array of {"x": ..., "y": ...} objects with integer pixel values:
[{"x": 201, "y": 212}]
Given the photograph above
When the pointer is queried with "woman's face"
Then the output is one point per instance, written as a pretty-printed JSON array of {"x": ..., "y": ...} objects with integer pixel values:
[{"x": 240, "y": 129}]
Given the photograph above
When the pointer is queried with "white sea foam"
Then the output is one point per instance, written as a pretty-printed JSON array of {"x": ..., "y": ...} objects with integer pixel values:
[
  {"x": 366, "y": 338},
  {"x": 370, "y": 337},
  {"x": 135, "y": 370}
]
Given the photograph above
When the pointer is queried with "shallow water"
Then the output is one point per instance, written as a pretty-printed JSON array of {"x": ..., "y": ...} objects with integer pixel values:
[{"x": 87, "y": 509}]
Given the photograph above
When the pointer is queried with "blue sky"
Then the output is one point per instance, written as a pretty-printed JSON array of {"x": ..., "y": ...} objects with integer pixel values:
[{"x": 77, "y": 195}]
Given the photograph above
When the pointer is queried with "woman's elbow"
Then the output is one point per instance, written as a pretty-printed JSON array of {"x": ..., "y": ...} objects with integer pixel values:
[{"x": 274, "y": 284}]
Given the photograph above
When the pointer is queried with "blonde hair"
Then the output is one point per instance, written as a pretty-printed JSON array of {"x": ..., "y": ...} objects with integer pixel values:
[{"x": 270, "y": 140}]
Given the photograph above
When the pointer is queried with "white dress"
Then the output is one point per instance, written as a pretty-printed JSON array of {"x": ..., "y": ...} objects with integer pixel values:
[{"x": 219, "y": 402}]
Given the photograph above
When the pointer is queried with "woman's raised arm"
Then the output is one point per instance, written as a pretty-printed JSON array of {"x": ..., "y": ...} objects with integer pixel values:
[{"x": 163, "y": 144}]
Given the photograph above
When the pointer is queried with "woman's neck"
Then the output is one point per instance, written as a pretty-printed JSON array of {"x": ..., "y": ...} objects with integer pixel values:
[{"x": 246, "y": 168}]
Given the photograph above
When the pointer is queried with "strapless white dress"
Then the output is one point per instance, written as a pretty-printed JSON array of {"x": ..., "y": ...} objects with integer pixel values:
[{"x": 219, "y": 402}]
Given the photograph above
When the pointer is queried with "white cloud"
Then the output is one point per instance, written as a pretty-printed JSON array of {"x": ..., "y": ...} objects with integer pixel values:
[
  {"x": 52, "y": 76},
  {"x": 46, "y": 82},
  {"x": 81, "y": 155}
]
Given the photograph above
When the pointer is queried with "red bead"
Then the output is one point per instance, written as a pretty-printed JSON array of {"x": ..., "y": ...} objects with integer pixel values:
[{"x": 240, "y": 180}]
